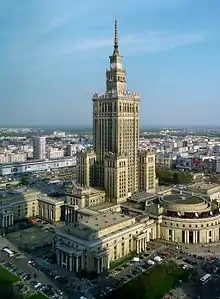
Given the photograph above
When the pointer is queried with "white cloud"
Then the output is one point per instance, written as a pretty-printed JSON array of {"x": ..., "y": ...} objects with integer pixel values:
[
  {"x": 54, "y": 23},
  {"x": 150, "y": 42}
]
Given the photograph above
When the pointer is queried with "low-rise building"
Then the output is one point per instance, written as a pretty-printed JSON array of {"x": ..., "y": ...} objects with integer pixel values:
[
  {"x": 49, "y": 208},
  {"x": 17, "y": 205},
  {"x": 36, "y": 166},
  {"x": 92, "y": 244},
  {"x": 209, "y": 190}
]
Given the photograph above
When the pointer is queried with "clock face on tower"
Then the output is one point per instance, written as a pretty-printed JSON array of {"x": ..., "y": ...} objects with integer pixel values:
[{"x": 113, "y": 65}]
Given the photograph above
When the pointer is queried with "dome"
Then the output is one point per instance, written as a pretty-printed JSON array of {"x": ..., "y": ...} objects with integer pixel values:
[{"x": 184, "y": 203}]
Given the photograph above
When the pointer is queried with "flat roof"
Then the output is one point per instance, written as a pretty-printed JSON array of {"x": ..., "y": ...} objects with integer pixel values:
[
  {"x": 103, "y": 220},
  {"x": 34, "y": 162},
  {"x": 204, "y": 186},
  {"x": 84, "y": 190},
  {"x": 51, "y": 200},
  {"x": 25, "y": 195},
  {"x": 182, "y": 199},
  {"x": 103, "y": 206},
  {"x": 91, "y": 226}
]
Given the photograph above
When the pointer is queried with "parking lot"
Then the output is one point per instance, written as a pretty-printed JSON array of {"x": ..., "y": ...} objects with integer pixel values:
[
  {"x": 44, "y": 270},
  {"x": 23, "y": 268}
]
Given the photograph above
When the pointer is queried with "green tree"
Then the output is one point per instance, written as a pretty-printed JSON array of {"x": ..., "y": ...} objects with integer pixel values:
[{"x": 24, "y": 181}]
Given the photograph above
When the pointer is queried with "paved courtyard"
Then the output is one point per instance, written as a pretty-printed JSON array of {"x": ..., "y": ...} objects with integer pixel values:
[{"x": 30, "y": 238}]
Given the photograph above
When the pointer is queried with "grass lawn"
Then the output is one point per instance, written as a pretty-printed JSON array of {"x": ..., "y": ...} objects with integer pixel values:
[
  {"x": 122, "y": 261},
  {"x": 7, "y": 276},
  {"x": 153, "y": 284},
  {"x": 38, "y": 296}
]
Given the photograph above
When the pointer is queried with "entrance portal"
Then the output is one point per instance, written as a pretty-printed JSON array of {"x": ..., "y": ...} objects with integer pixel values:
[
  {"x": 183, "y": 236},
  {"x": 190, "y": 237}
]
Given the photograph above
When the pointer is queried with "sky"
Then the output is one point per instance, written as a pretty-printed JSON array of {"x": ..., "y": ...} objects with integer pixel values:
[{"x": 54, "y": 54}]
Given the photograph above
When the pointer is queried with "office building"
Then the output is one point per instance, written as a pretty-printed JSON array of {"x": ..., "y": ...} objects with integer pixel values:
[{"x": 39, "y": 148}]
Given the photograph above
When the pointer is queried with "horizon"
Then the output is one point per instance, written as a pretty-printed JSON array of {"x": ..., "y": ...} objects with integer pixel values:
[{"x": 52, "y": 62}]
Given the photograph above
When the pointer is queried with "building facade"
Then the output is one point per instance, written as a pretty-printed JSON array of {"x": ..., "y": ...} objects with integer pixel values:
[
  {"x": 114, "y": 164},
  {"x": 37, "y": 166},
  {"x": 18, "y": 205},
  {"x": 94, "y": 243},
  {"x": 39, "y": 148},
  {"x": 186, "y": 219},
  {"x": 26, "y": 203}
]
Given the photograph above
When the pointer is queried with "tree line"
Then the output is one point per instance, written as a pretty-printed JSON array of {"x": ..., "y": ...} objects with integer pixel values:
[{"x": 173, "y": 177}]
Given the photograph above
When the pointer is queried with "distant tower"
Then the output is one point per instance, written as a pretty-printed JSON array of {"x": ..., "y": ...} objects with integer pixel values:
[{"x": 39, "y": 148}]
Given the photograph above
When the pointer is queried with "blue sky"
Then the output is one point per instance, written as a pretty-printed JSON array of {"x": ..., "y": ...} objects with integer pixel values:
[{"x": 54, "y": 54}]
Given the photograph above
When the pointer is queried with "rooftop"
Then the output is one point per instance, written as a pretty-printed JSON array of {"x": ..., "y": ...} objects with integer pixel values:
[
  {"x": 184, "y": 199},
  {"x": 102, "y": 221},
  {"x": 204, "y": 186},
  {"x": 93, "y": 226},
  {"x": 50, "y": 200}
]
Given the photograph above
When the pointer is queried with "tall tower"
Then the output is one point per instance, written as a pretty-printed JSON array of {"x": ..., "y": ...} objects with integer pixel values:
[
  {"x": 116, "y": 125},
  {"x": 39, "y": 148}
]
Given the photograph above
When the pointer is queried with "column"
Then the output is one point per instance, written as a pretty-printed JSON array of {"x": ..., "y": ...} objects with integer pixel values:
[
  {"x": 58, "y": 257},
  {"x": 101, "y": 264},
  {"x": 108, "y": 263},
  {"x": 3, "y": 222},
  {"x": 82, "y": 262},
  {"x": 71, "y": 263},
  {"x": 195, "y": 237},
  {"x": 207, "y": 236},
  {"x": 98, "y": 266},
  {"x": 173, "y": 235},
  {"x": 66, "y": 260},
  {"x": 77, "y": 264},
  {"x": 138, "y": 246},
  {"x": 65, "y": 214},
  {"x": 187, "y": 237}
]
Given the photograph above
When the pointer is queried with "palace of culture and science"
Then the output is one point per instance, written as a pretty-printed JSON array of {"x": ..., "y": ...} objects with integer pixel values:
[
  {"x": 116, "y": 165},
  {"x": 116, "y": 207},
  {"x": 98, "y": 231}
]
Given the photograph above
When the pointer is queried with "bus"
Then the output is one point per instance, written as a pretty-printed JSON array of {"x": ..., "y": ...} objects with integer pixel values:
[
  {"x": 8, "y": 251},
  {"x": 205, "y": 278}
]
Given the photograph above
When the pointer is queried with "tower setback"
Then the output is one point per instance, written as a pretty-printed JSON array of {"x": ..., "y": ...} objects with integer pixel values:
[{"x": 116, "y": 126}]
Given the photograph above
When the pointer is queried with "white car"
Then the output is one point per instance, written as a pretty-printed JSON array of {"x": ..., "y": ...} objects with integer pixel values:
[
  {"x": 37, "y": 285},
  {"x": 158, "y": 259},
  {"x": 150, "y": 262}
]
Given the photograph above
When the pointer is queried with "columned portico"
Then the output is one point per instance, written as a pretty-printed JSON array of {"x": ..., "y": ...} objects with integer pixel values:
[
  {"x": 69, "y": 258},
  {"x": 7, "y": 219},
  {"x": 141, "y": 244},
  {"x": 102, "y": 261}
]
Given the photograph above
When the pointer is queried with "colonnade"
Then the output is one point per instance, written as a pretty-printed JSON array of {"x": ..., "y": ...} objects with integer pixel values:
[
  {"x": 7, "y": 220},
  {"x": 70, "y": 215},
  {"x": 70, "y": 262},
  {"x": 76, "y": 263},
  {"x": 141, "y": 245},
  {"x": 46, "y": 213},
  {"x": 102, "y": 263}
]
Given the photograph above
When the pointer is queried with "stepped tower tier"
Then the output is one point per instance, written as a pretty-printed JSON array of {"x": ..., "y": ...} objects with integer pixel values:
[{"x": 116, "y": 122}]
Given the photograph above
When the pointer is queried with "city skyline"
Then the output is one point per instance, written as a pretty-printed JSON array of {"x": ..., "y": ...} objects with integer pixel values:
[{"x": 54, "y": 61}]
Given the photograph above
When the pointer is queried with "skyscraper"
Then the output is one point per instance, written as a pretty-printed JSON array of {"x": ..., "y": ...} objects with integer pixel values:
[
  {"x": 39, "y": 148},
  {"x": 115, "y": 163}
]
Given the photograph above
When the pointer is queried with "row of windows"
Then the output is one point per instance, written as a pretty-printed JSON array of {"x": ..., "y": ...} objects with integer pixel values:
[
  {"x": 112, "y": 107},
  {"x": 195, "y": 225}
]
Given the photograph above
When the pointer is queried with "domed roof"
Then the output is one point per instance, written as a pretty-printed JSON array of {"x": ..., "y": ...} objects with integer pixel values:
[{"x": 184, "y": 203}]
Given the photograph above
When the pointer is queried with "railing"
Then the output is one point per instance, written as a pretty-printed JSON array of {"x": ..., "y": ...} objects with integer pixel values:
[{"x": 109, "y": 95}]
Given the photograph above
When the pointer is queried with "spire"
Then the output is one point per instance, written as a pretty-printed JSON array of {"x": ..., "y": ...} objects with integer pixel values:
[{"x": 116, "y": 51}]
